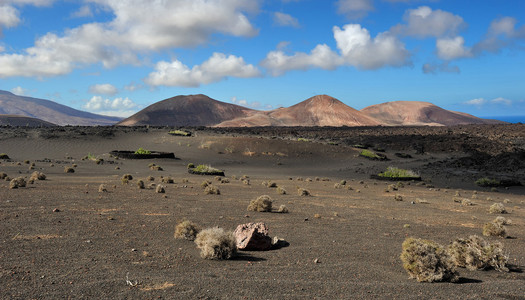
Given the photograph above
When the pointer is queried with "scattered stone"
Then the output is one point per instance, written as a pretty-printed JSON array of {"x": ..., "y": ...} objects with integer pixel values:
[{"x": 253, "y": 236}]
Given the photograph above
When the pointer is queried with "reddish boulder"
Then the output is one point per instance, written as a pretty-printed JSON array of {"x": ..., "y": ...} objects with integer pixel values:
[{"x": 253, "y": 236}]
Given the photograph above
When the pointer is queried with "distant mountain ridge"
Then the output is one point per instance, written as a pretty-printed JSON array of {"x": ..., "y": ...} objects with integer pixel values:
[
  {"x": 11, "y": 104},
  {"x": 17, "y": 120}
]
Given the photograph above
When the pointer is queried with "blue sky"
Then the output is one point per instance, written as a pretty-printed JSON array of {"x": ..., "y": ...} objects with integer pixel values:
[{"x": 116, "y": 57}]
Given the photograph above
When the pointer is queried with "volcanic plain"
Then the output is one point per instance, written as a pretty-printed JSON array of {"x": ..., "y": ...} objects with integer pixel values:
[{"x": 62, "y": 237}]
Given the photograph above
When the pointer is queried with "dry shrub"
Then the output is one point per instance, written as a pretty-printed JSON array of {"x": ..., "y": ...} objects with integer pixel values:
[
  {"x": 127, "y": 177},
  {"x": 246, "y": 181},
  {"x": 398, "y": 197},
  {"x": 160, "y": 189},
  {"x": 338, "y": 186},
  {"x": 475, "y": 253},
  {"x": 427, "y": 261},
  {"x": 38, "y": 176},
  {"x": 269, "y": 184},
  {"x": 185, "y": 180},
  {"x": 262, "y": 203},
  {"x": 343, "y": 182},
  {"x": 497, "y": 208},
  {"x": 140, "y": 184},
  {"x": 466, "y": 202},
  {"x": 3, "y": 175},
  {"x": 303, "y": 192},
  {"x": 168, "y": 180},
  {"x": 283, "y": 209},
  {"x": 502, "y": 221},
  {"x": 494, "y": 229},
  {"x": 154, "y": 167},
  {"x": 212, "y": 190},
  {"x": 218, "y": 178},
  {"x": 150, "y": 178},
  {"x": 186, "y": 230},
  {"x": 102, "y": 188},
  {"x": 205, "y": 183},
  {"x": 17, "y": 183},
  {"x": 216, "y": 243},
  {"x": 225, "y": 180},
  {"x": 69, "y": 170},
  {"x": 281, "y": 190}
]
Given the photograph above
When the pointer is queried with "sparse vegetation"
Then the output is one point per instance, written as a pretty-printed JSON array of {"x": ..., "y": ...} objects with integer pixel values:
[
  {"x": 154, "y": 167},
  {"x": 269, "y": 184},
  {"x": 191, "y": 166},
  {"x": 262, "y": 204},
  {"x": 180, "y": 133},
  {"x": 398, "y": 197},
  {"x": 102, "y": 188},
  {"x": 3, "y": 175},
  {"x": 160, "y": 189},
  {"x": 394, "y": 173},
  {"x": 140, "y": 184},
  {"x": 38, "y": 176},
  {"x": 186, "y": 230},
  {"x": 281, "y": 190},
  {"x": 502, "y": 221},
  {"x": 69, "y": 170},
  {"x": 168, "y": 180},
  {"x": 17, "y": 182},
  {"x": 205, "y": 183},
  {"x": 4, "y": 156},
  {"x": 216, "y": 243},
  {"x": 283, "y": 209},
  {"x": 142, "y": 151},
  {"x": 212, "y": 190},
  {"x": 372, "y": 155},
  {"x": 497, "y": 208},
  {"x": 427, "y": 261},
  {"x": 475, "y": 253},
  {"x": 205, "y": 170},
  {"x": 303, "y": 192},
  {"x": 494, "y": 229}
]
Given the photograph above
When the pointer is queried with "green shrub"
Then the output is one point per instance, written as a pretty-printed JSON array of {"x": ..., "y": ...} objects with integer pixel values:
[
  {"x": 372, "y": 155},
  {"x": 142, "y": 151},
  {"x": 488, "y": 182},
  {"x": 4, "y": 156},
  {"x": 216, "y": 243},
  {"x": 396, "y": 173},
  {"x": 427, "y": 261},
  {"x": 206, "y": 170}
]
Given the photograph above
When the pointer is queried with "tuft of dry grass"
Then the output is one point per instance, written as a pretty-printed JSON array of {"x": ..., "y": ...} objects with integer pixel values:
[
  {"x": 269, "y": 184},
  {"x": 150, "y": 178},
  {"x": 160, "y": 189},
  {"x": 281, "y": 190},
  {"x": 502, "y": 220},
  {"x": 140, "y": 184},
  {"x": 17, "y": 182},
  {"x": 38, "y": 176},
  {"x": 427, "y": 261},
  {"x": 262, "y": 203},
  {"x": 475, "y": 253},
  {"x": 167, "y": 180},
  {"x": 186, "y": 230},
  {"x": 212, "y": 190},
  {"x": 216, "y": 243},
  {"x": 102, "y": 188},
  {"x": 303, "y": 192},
  {"x": 205, "y": 183},
  {"x": 494, "y": 229},
  {"x": 69, "y": 170},
  {"x": 497, "y": 208},
  {"x": 3, "y": 175},
  {"x": 398, "y": 197},
  {"x": 283, "y": 209}
]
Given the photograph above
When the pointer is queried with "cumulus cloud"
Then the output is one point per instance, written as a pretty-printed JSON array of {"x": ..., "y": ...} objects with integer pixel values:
[
  {"x": 501, "y": 33},
  {"x": 481, "y": 101},
  {"x": 103, "y": 89},
  {"x": 218, "y": 67},
  {"x": 354, "y": 9},
  {"x": 501, "y": 100},
  {"x": 424, "y": 22},
  {"x": 452, "y": 48},
  {"x": 283, "y": 19},
  {"x": 120, "y": 107},
  {"x": 167, "y": 24},
  {"x": 356, "y": 48},
  {"x": 9, "y": 16},
  {"x": 434, "y": 68},
  {"x": 20, "y": 91},
  {"x": 82, "y": 12},
  {"x": 133, "y": 87},
  {"x": 477, "y": 101}
]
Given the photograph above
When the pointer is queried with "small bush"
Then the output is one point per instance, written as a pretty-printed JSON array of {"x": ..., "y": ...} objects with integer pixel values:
[
  {"x": 502, "y": 221},
  {"x": 338, "y": 186},
  {"x": 102, "y": 188},
  {"x": 168, "y": 180},
  {"x": 142, "y": 151},
  {"x": 186, "y": 230},
  {"x": 154, "y": 167},
  {"x": 150, "y": 178},
  {"x": 69, "y": 170},
  {"x": 127, "y": 176},
  {"x": 303, "y": 192},
  {"x": 3, "y": 175},
  {"x": 281, "y": 190},
  {"x": 180, "y": 133},
  {"x": 191, "y": 166},
  {"x": 398, "y": 197},
  {"x": 38, "y": 176},
  {"x": 140, "y": 184},
  {"x": 397, "y": 173},
  {"x": 262, "y": 203},
  {"x": 4, "y": 156},
  {"x": 205, "y": 183},
  {"x": 488, "y": 182},
  {"x": 17, "y": 183},
  {"x": 343, "y": 182},
  {"x": 372, "y": 155},
  {"x": 216, "y": 243},
  {"x": 475, "y": 253},
  {"x": 206, "y": 170},
  {"x": 160, "y": 189},
  {"x": 212, "y": 190},
  {"x": 269, "y": 184},
  {"x": 497, "y": 208},
  {"x": 283, "y": 209},
  {"x": 494, "y": 229},
  {"x": 427, "y": 261}
]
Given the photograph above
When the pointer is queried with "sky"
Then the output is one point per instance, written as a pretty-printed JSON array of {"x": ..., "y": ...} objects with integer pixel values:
[{"x": 116, "y": 57}]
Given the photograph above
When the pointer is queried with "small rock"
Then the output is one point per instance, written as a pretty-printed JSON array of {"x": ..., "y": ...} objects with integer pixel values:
[
  {"x": 253, "y": 236},
  {"x": 316, "y": 261},
  {"x": 56, "y": 210}
]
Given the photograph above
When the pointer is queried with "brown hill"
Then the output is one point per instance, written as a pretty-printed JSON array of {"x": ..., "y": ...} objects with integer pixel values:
[
  {"x": 321, "y": 110},
  {"x": 49, "y": 111},
  {"x": 191, "y": 110},
  {"x": 401, "y": 113},
  {"x": 16, "y": 120}
]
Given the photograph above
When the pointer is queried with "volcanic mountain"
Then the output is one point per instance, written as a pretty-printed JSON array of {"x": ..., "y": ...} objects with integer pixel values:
[
  {"x": 191, "y": 110},
  {"x": 403, "y": 113},
  {"x": 320, "y": 110},
  {"x": 49, "y": 111},
  {"x": 16, "y": 120}
]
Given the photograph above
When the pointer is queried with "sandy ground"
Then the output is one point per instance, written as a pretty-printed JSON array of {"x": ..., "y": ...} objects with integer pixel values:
[{"x": 61, "y": 238}]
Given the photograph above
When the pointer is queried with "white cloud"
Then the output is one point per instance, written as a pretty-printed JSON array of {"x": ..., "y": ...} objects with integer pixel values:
[
  {"x": 104, "y": 89},
  {"x": 283, "y": 19},
  {"x": 501, "y": 33},
  {"x": 20, "y": 91},
  {"x": 218, "y": 67},
  {"x": 9, "y": 16},
  {"x": 120, "y": 107},
  {"x": 452, "y": 48},
  {"x": 424, "y": 22},
  {"x": 477, "y": 101},
  {"x": 320, "y": 57},
  {"x": 434, "y": 68},
  {"x": 133, "y": 87},
  {"x": 354, "y": 8},
  {"x": 363, "y": 52},
  {"x": 357, "y": 48},
  {"x": 167, "y": 24},
  {"x": 82, "y": 12},
  {"x": 501, "y": 100}
]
